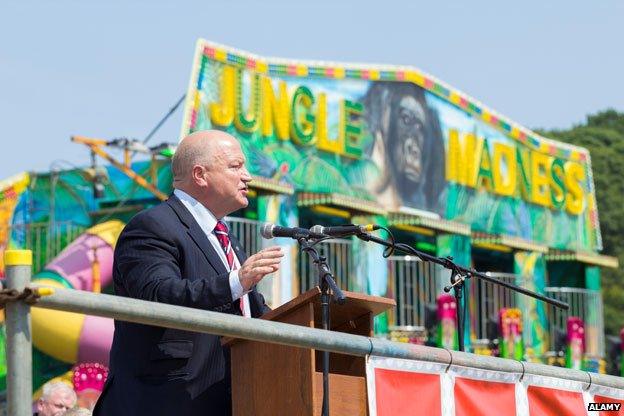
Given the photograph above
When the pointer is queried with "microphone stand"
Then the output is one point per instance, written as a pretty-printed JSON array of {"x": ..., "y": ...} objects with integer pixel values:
[
  {"x": 458, "y": 277},
  {"x": 327, "y": 283}
]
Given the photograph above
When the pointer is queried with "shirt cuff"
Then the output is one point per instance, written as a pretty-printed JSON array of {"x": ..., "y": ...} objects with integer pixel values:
[{"x": 235, "y": 286}]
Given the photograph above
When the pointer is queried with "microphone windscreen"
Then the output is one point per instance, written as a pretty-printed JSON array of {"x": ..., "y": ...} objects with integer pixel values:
[
  {"x": 267, "y": 231},
  {"x": 318, "y": 229}
]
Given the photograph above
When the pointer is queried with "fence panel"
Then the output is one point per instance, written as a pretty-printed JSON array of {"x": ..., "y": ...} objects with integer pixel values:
[
  {"x": 415, "y": 285},
  {"x": 488, "y": 298},
  {"x": 339, "y": 259},
  {"x": 585, "y": 304},
  {"x": 247, "y": 232},
  {"x": 45, "y": 240}
]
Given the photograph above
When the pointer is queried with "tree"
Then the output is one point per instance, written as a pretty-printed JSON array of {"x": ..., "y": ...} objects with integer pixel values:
[{"x": 603, "y": 135}]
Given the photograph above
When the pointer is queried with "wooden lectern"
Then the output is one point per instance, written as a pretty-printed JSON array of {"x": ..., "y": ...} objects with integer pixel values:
[{"x": 272, "y": 379}]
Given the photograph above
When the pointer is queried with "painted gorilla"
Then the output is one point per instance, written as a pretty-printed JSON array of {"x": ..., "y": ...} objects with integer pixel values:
[{"x": 408, "y": 146}]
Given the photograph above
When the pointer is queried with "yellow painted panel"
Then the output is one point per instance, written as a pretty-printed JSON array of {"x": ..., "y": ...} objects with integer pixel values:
[
  {"x": 322, "y": 209},
  {"x": 56, "y": 333},
  {"x": 575, "y": 156},
  {"x": 262, "y": 67},
  {"x": 18, "y": 258},
  {"x": 493, "y": 247},
  {"x": 455, "y": 99},
  {"x": 108, "y": 231},
  {"x": 415, "y": 229},
  {"x": 220, "y": 55},
  {"x": 415, "y": 77},
  {"x": 301, "y": 70}
]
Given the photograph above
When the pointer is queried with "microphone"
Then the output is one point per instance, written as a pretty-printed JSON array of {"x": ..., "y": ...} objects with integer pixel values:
[
  {"x": 344, "y": 230},
  {"x": 269, "y": 231}
]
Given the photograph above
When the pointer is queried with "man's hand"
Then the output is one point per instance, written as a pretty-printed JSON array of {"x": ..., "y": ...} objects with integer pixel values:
[{"x": 264, "y": 262}]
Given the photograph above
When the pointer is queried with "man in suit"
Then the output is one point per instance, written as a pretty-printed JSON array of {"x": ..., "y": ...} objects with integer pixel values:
[{"x": 180, "y": 252}]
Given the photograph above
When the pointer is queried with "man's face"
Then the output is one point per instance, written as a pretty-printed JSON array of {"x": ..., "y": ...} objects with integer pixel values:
[
  {"x": 227, "y": 179},
  {"x": 55, "y": 405}
]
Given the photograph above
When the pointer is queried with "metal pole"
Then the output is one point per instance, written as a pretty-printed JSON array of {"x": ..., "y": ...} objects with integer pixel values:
[
  {"x": 189, "y": 319},
  {"x": 19, "y": 340}
]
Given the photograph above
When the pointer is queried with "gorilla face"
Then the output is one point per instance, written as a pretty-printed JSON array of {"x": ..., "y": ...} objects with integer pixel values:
[
  {"x": 408, "y": 147},
  {"x": 409, "y": 138}
]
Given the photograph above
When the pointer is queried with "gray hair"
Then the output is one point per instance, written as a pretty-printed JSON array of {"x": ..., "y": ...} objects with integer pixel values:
[
  {"x": 51, "y": 387},
  {"x": 78, "y": 411}
]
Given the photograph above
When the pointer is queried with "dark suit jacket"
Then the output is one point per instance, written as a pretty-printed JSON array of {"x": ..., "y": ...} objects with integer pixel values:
[{"x": 162, "y": 255}]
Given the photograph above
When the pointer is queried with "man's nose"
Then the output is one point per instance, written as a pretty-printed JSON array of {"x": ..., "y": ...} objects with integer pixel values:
[{"x": 246, "y": 176}]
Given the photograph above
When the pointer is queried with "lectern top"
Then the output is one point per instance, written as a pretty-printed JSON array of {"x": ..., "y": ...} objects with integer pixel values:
[{"x": 356, "y": 306}]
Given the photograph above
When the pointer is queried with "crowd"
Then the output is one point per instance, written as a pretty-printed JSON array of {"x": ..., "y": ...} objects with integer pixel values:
[
  {"x": 75, "y": 398},
  {"x": 59, "y": 398}
]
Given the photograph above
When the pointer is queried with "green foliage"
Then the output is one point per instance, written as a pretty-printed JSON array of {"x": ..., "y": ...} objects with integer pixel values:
[{"x": 603, "y": 135}]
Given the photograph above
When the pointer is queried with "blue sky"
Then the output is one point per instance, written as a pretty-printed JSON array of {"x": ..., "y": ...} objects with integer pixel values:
[{"x": 112, "y": 69}]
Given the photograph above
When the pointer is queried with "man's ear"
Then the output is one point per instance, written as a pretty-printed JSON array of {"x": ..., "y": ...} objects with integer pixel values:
[{"x": 198, "y": 175}]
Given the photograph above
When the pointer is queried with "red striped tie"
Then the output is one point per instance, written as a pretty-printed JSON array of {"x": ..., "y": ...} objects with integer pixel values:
[{"x": 221, "y": 231}]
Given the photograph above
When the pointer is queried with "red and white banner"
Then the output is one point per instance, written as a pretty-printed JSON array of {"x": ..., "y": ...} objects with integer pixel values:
[{"x": 399, "y": 387}]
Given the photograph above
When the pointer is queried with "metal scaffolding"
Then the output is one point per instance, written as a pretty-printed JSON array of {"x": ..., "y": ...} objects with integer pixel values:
[{"x": 19, "y": 337}]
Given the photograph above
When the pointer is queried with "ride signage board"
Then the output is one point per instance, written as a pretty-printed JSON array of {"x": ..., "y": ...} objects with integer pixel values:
[{"x": 397, "y": 136}]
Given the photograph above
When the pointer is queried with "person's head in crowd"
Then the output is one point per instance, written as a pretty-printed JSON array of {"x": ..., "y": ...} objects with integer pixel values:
[
  {"x": 78, "y": 411},
  {"x": 57, "y": 397},
  {"x": 209, "y": 165}
]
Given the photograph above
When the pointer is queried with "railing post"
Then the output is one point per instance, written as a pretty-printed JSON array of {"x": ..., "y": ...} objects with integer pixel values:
[{"x": 18, "y": 265}]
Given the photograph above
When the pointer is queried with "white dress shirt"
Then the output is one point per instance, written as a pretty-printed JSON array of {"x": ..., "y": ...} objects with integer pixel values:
[{"x": 207, "y": 222}]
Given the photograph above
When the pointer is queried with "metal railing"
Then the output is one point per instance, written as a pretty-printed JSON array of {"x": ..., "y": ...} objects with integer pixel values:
[
  {"x": 415, "y": 285},
  {"x": 338, "y": 253},
  {"x": 488, "y": 298},
  {"x": 44, "y": 239},
  {"x": 19, "y": 337},
  {"x": 247, "y": 232},
  {"x": 339, "y": 258},
  {"x": 585, "y": 304}
]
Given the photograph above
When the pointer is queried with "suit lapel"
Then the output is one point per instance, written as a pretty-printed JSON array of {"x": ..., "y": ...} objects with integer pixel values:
[{"x": 197, "y": 234}]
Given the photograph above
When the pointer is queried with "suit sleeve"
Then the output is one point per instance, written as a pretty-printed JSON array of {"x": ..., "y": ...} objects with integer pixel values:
[
  {"x": 259, "y": 299},
  {"x": 147, "y": 268}
]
